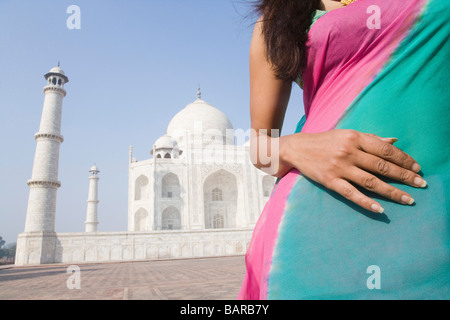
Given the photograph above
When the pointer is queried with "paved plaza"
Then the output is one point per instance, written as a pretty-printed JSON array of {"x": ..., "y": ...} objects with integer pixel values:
[{"x": 191, "y": 279}]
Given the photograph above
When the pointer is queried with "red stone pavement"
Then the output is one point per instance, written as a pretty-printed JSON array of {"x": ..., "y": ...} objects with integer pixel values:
[{"x": 190, "y": 279}]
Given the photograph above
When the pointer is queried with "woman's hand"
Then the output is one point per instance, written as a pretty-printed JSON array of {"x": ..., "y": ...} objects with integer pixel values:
[{"x": 339, "y": 159}]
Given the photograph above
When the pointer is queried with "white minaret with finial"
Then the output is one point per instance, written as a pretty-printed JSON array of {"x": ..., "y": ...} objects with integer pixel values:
[
  {"x": 44, "y": 178},
  {"x": 36, "y": 244},
  {"x": 92, "y": 202}
]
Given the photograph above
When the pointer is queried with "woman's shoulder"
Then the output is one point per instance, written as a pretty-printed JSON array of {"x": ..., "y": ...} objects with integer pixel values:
[{"x": 317, "y": 15}]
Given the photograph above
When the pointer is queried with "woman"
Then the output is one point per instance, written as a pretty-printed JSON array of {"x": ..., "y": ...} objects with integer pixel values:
[{"x": 352, "y": 216}]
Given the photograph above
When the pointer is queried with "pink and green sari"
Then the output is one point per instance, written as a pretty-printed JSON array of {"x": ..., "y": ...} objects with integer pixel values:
[{"x": 311, "y": 243}]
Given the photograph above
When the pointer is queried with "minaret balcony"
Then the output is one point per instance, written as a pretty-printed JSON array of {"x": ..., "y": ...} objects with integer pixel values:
[
  {"x": 44, "y": 184},
  {"x": 57, "y": 88},
  {"x": 50, "y": 136}
]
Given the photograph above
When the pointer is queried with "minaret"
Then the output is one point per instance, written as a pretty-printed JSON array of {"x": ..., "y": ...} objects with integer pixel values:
[
  {"x": 91, "y": 215},
  {"x": 37, "y": 244},
  {"x": 44, "y": 178},
  {"x": 130, "y": 154}
]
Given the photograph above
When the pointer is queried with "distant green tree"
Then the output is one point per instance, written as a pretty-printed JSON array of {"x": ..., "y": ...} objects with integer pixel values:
[
  {"x": 11, "y": 247},
  {"x": 8, "y": 250},
  {"x": 3, "y": 252}
]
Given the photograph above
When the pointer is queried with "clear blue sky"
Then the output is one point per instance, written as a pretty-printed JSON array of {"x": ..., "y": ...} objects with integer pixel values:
[{"x": 132, "y": 66}]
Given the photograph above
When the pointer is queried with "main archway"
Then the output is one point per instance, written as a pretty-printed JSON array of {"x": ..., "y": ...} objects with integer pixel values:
[{"x": 220, "y": 200}]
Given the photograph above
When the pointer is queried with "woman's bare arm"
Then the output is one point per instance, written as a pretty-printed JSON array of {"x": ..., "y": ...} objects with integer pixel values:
[{"x": 269, "y": 98}]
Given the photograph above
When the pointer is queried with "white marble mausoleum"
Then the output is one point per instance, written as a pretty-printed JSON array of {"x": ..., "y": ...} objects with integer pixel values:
[{"x": 198, "y": 194}]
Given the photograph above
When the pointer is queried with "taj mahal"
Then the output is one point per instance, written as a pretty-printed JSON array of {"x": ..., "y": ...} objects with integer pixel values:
[{"x": 198, "y": 195}]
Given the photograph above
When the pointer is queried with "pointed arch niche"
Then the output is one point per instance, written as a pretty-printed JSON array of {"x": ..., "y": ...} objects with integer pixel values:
[
  {"x": 171, "y": 219},
  {"x": 268, "y": 182},
  {"x": 220, "y": 200},
  {"x": 141, "y": 220},
  {"x": 170, "y": 186},
  {"x": 141, "y": 188}
]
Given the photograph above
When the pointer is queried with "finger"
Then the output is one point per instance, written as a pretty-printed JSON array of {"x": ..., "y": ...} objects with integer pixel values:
[
  {"x": 388, "y": 140},
  {"x": 378, "y": 186},
  {"x": 348, "y": 191},
  {"x": 390, "y": 170},
  {"x": 388, "y": 152}
]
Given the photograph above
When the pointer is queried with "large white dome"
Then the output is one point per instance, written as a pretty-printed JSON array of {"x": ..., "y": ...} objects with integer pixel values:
[{"x": 200, "y": 118}]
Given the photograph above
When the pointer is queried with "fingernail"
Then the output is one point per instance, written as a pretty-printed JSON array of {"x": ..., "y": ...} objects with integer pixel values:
[
  {"x": 407, "y": 200},
  {"x": 389, "y": 139},
  {"x": 377, "y": 208},
  {"x": 416, "y": 167},
  {"x": 420, "y": 182}
]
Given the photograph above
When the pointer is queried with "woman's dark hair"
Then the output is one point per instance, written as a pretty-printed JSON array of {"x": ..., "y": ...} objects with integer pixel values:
[{"x": 285, "y": 25}]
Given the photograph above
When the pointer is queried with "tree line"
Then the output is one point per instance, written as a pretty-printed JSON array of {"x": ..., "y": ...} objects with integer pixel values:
[{"x": 7, "y": 250}]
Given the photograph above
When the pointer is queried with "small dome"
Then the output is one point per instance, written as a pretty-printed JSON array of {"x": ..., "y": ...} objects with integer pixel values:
[
  {"x": 94, "y": 168},
  {"x": 165, "y": 142},
  {"x": 57, "y": 70},
  {"x": 199, "y": 115}
]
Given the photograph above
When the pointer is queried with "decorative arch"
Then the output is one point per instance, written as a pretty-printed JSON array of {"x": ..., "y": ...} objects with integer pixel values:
[
  {"x": 141, "y": 220},
  {"x": 171, "y": 219},
  {"x": 141, "y": 188},
  {"x": 268, "y": 183},
  {"x": 220, "y": 200},
  {"x": 170, "y": 186}
]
